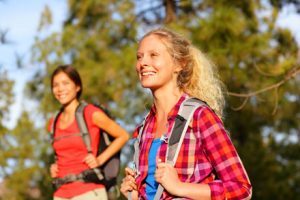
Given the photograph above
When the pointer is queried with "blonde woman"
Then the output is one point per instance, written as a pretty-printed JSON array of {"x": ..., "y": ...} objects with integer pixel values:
[{"x": 208, "y": 165}]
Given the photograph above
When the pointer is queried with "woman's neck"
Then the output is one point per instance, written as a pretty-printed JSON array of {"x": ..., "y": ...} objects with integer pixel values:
[
  {"x": 70, "y": 108},
  {"x": 165, "y": 101}
]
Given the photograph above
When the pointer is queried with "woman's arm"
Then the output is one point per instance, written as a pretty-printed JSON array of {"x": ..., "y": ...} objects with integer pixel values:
[
  {"x": 53, "y": 170},
  {"x": 232, "y": 180},
  {"x": 112, "y": 128}
]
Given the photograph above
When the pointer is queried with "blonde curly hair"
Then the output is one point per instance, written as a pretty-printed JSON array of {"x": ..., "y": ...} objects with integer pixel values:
[{"x": 198, "y": 76}]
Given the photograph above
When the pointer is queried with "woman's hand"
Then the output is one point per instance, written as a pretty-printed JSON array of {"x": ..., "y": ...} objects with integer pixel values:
[
  {"x": 92, "y": 161},
  {"x": 53, "y": 170},
  {"x": 167, "y": 176},
  {"x": 129, "y": 184}
]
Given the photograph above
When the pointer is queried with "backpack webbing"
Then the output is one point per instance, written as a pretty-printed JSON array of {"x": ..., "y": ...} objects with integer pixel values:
[
  {"x": 182, "y": 121},
  {"x": 79, "y": 114},
  {"x": 105, "y": 174}
]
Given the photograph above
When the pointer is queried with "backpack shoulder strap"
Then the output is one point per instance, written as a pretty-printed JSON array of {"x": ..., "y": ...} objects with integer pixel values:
[
  {"x": 52, "y": 128},
  {"x": 53, "y": 125},
  {"x": 182, "y": 121},
  {"x": 136, "y": 144},
  {"x": 136, "y": 154},
  {"x": 79, "y": 115},
  {"x": 85, "y": 134}
]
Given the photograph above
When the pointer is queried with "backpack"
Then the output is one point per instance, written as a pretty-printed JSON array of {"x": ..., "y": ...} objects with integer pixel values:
[
  {"x": 105, "y": 174},
  {"x": 182, "y": 121}
]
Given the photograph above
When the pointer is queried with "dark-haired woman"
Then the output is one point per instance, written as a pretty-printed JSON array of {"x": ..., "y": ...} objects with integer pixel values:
[{"x": 71, "y": 152}]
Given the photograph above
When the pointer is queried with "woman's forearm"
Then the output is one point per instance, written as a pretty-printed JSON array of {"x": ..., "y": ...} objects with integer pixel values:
[{"x": 193, "y": 191}]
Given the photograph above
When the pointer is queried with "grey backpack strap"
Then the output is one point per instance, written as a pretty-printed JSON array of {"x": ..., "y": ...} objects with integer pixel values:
[
  {"x": 182, "y": 121},
  {"x": 85, "y": 134},
  {"x": 52, "y": 129},
  {"x": 53, "y": 125},
  {"x": 79, "y": 114},
  {"x": 136, "y": 154},
  {"x": 136, "y": 145}
]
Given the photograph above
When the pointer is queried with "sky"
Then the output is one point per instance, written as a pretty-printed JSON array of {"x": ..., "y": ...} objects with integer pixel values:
[{"x": 21, "y": 19}]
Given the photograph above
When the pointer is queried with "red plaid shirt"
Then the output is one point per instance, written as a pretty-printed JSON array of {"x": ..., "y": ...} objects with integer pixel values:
[{"x": 207, "y": 155}]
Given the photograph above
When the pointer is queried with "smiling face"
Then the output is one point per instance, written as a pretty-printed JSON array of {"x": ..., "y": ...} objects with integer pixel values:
[
  {"x": 155, "y": 66},
  {"x": 64, "y": 89}
]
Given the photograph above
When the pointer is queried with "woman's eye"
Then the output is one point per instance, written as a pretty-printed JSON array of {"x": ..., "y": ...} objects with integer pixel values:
[{"x": 66, "y": 83}]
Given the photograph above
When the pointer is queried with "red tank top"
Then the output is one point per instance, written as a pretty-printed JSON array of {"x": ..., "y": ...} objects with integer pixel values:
[{"x": 71, "y": 151}]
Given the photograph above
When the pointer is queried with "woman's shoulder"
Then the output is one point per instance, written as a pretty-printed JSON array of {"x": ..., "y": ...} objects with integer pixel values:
[
  {"x": 202, "y": 109},
  {"x": 206, "y": 114},
  {"x": 206, "y": 121},
  {"x": 91, "y": 108}
]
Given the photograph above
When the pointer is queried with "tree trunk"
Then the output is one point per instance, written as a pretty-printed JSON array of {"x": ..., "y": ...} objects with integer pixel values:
[{"x": 170, "y": 6}]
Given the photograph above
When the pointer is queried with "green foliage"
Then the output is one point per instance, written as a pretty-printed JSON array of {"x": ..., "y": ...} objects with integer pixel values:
[
  {"x": 6, "y": 95},
  {"x": 96, "y": 35},
  {"x": 24, "y": 167},
  {"x": 258, "y": 62},
  {"x": 6, "y": 99}
]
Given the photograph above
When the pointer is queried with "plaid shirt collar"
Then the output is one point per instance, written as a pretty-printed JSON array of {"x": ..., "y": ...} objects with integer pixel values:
[
  {"x": 174, "y": 111},
  {"x": 171, "y": 115}
]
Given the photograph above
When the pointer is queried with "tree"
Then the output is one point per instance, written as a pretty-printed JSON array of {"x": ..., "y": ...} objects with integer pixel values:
[
  {"x": 6, "y": 98},
  {"x": 91, "y": 42},
  {"x": 258, "y": 62},
  {"x": 25, "y": 168},
  {"x": 20, "y": 165}
]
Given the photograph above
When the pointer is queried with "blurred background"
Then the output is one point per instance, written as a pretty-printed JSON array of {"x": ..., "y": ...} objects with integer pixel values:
[{"x": 254, "y": 43}]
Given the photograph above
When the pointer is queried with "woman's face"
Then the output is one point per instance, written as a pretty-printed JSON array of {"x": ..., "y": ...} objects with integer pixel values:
[
  {"x": 155, "y": 66},
  {"x": 64, "y": 89}
]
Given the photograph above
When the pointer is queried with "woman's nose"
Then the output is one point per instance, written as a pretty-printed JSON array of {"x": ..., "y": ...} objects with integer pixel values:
[
  {"x": 144, "y": 61},
  {"x": 59, "y": 87}
]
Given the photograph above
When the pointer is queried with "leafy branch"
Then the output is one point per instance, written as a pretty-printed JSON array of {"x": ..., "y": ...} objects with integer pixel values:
[{"x": 292, "y": 73}]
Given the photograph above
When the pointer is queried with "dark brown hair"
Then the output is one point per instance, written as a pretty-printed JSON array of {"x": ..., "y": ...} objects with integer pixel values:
[{"x": 72, "y": 73}]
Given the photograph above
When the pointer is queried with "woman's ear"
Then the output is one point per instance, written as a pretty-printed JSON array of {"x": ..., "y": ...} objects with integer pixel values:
[
  {"x": 179, "y": 67},
  {"x": 77, "y": 88},
  {"x": 177, "y": 70}
]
